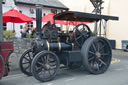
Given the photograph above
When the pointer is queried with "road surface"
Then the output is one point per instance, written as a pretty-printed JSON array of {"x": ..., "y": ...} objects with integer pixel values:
[{"x": 117, "y": 74}]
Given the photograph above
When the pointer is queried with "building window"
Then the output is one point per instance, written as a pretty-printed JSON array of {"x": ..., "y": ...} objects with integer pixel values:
[
  {"x": 30, "y": 25},
  {"x": 44, "y": 14},
  {"x": 54, "y": 11},
  {"x": 3, "y": 1},
  {"x": 31, "y": 11},
  {"x": 4, "y": 27},
  {"x": 21, "y": 26},
  {"x": 20, "y": 11}
]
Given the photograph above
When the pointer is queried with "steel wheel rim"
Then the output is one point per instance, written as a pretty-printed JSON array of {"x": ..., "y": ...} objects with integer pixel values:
[
  {"x": 46, "y": 66},
  {"x": 99, "y": 56},
  {"x": 80, "y": 34},
  {"x": 26, "y": 61}
]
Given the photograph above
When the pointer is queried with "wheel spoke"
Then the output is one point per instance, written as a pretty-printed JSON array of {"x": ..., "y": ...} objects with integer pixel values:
[
  {"x": 101, "y": 48},
  {"x": 49, "y": 73},
  {"x": 41, "y": 72},
  {"x": 45, "y": 73},
  {"x": 27, "y": 67},
  {"x": 92, "y": 53},
  {"x": 42, "y": 59},
  {"x": 25, "y": 63},
  {"x": 52, "y": 64},
  {"x": 30, "y": 68},
  {"x": 102, "y": 62},
  {"x": 94, "y": 47},
  {"x": 104, "y": 54},
  {"x": 83, "y": 27},
  {"x": 29, "y": 56},
  {"x": 78, "y": 30},
  {"x": 91, "y": 64},
  {"x": 97, "y": 66},
  {"x": 39, "y": 63},
  {"x": 91, "y": 58},
  {"x": 51, "y": 60},
  {"x": 48, "y": 57},
  {"x": 45, "y": 59},
  {"x": 79, "y": 37},
  {"x": 39, "y": 69},
  {"x": 26, "y": 59},
  {"x": 98, "y": 47}
]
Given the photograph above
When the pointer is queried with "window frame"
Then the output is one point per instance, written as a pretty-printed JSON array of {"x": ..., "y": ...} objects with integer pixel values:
[{"x": 3, "y": 1}]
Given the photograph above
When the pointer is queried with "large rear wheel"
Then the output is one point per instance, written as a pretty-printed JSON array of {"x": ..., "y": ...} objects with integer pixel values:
[
  {"x": 2, "y": 67},
  {"x": 45, "y": 66},
  {"x": 97, "y": 54}
]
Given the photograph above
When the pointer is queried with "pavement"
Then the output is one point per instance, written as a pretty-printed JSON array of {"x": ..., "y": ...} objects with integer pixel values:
[{"x": 117, "y": 74}]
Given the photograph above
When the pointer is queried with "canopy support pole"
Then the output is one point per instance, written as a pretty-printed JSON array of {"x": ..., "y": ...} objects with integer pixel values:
[
  {"x": 1, "y": 22},
  {"x": 98, "y": 8},
  {"x": 13, "y": 25},
  {"x": 105, "y": 28}
]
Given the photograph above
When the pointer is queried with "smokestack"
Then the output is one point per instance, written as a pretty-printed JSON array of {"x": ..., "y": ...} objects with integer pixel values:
[{"x": 38, "y": 22}]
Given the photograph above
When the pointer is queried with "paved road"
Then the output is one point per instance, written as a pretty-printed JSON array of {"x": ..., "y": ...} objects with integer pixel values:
[{"x": 116, "y": 75}]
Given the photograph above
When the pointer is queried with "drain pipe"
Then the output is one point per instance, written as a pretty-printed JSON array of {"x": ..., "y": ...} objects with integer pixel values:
[{"x": 1, "y": 22}]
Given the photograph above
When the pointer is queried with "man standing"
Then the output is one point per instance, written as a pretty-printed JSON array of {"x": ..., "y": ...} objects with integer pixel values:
[{"x": 24, "y": 31}]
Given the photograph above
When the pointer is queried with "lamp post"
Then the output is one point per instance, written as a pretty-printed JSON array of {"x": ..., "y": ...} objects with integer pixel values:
[{"x": 1, "y": 22}]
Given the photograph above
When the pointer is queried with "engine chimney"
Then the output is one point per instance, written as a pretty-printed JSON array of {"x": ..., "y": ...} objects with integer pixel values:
[{"x": 38, "y": 22}]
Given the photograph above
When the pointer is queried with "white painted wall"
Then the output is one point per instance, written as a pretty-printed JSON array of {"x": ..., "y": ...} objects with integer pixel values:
[{"x": 119, "y": 30}]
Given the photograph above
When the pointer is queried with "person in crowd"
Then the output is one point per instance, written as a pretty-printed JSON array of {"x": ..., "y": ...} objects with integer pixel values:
[
  {"x": 24, "y": 31},
  {"x": 33, "y": 31}
]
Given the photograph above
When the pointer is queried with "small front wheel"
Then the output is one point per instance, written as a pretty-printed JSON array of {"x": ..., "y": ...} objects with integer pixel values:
[
  {"x": 25, "y": 62},
  {"x": 45, "y": 66}
]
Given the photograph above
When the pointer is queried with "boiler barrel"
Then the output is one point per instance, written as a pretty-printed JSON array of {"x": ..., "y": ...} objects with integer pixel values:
[{"x": 58, "y": 46}]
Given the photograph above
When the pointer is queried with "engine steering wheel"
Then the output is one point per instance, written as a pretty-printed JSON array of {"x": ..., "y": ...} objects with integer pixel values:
[{"x": 81, "y": 33}]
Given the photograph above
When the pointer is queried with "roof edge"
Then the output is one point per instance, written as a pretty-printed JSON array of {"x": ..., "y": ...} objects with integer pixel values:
[{"x": 30, "y": 4}]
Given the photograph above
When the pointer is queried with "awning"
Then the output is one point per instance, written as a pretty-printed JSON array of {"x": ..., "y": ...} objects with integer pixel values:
[{"x": 82, "y": 17}]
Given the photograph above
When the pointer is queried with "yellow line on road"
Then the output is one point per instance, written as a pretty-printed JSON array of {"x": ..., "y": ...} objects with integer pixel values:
[{"x": 115, "y": 60}]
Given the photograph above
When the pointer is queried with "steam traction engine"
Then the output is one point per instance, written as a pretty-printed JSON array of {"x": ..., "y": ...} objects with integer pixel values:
[{"x": 54, "y": 47}]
